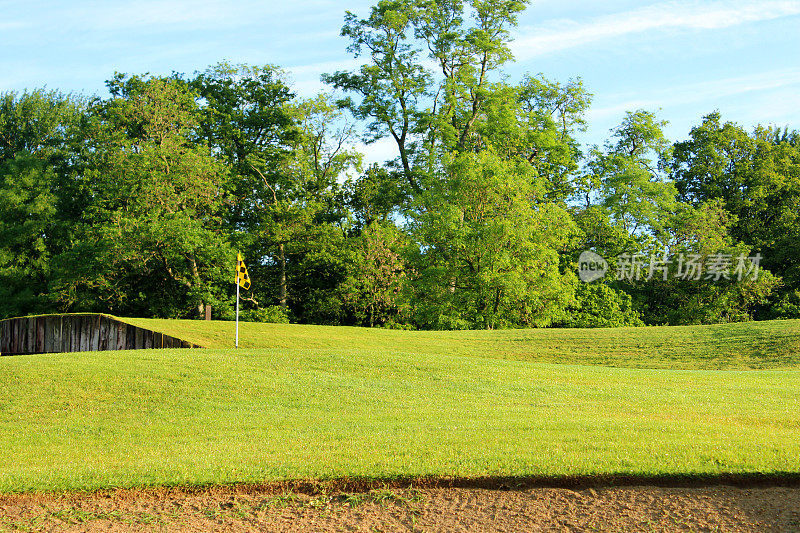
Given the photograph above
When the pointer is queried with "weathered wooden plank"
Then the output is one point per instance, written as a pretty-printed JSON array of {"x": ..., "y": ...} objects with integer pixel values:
[
  {"x": 102, "y": 333},
  {"x": 113, "y": 335},
  {"x": 139, "y": 339},
  {"x": 86, "y": 333},
  {"x": 90, "y": 328},
  {"x": 52, "y": 337},
  {"x": 16, "y": 344},
  {"x": 130, "y": 341},
  {"x": 59, "y": 345},
  {"x": 30, "y": 334},
  {"x": 22, "y": 335},
  {"x": 148, "y": 339},
  {"x": 5, "y": 337},
  {"x": 94, "y": 336},
  {"x": 75, "y": 342},
  {"x": 122, "y": 336},
  {"x": 22, "y": 324},
  {"x": 66, "y": 334},
  {"x": 73, "y": 333},
  {"x": 40, "y": 333},
  {"x": 13, "y": 343}
]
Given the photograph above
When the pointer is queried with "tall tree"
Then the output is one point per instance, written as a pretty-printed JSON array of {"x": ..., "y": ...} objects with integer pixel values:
[
  {"x": 489, "y": 257},
  {"x": 39, "y": 142},
  {"x": 287, "y": 157},
  {"x": 153, "y": 240},
  {"x": 756, "y": 177},
  {"x": 486, "y": 163}
]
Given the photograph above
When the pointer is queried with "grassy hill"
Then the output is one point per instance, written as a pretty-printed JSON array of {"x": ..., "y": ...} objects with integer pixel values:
[
  {"x": 770, "y": 344},
  {"x": 318, "y": 402}
]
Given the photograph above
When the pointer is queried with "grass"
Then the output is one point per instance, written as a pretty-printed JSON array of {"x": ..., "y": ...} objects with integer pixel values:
[
  {"x": 314, "y": 402},
  {"x": 748, "y": 345}
]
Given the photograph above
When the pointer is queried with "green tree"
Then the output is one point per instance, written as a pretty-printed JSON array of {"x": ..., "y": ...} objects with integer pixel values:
[
  {"x": 628, "y": 183},
  {"x": 153, "y": 241},
  {"x": 376, "y": 195},
  {"x": 375, "y": 290},
  {"x": 489, "y": 257},
  {"x": 287, "y": 156},
  {"x": 486, "y": 163},
  {"x": 756, "y": 177},
  {"x": 39, "y": 143}
]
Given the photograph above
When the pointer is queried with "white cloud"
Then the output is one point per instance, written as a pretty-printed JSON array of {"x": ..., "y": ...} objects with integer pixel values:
[
  {"x": 115, "y": 15},
  {"x": 305, "y": 79},
  {"x": 695, "y": 15},
  {"x": 708, "y": 91},
  {"x": 763, "y": 98},
  {"x": 12, "y": 25},
  {"x": 380, "y": 151}
]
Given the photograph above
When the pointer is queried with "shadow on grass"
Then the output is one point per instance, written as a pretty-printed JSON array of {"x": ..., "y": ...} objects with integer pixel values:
[{"x": 338, "y": 485}]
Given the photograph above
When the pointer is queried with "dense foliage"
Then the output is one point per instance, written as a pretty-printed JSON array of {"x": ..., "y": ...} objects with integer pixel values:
[{"x": 136, "y": 204}]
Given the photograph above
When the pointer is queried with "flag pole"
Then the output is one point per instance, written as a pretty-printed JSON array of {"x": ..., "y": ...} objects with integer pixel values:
[{"x": 237, "y": 307}]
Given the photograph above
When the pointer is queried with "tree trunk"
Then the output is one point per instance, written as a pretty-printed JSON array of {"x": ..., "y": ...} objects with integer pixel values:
[
  {"x": 201, "y": 306},
  {"x": 282, "y": 284}
]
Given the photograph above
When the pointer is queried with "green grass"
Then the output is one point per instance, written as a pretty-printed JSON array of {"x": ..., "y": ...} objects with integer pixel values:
[
  {"x": 749, "y": 345},
  {"x": 343, "y": 402}
]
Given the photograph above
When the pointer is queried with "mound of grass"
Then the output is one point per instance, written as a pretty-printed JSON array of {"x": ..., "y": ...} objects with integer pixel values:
[
  {"x": 750, "y": 345},
  {"x": 162, "y": 417}
]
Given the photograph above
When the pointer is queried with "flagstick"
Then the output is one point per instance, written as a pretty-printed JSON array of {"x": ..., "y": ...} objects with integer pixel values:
[{"x": 237, "y": 308}]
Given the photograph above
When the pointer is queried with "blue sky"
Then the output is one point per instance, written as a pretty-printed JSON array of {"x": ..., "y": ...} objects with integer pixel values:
[{"x": 679, "y": 58}]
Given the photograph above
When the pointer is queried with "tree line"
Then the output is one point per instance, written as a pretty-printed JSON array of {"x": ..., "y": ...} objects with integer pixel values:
[{"x": 136, "y": 204}]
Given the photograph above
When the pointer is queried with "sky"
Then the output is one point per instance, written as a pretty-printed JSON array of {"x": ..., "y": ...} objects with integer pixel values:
[{"x": 681, "y": 59}]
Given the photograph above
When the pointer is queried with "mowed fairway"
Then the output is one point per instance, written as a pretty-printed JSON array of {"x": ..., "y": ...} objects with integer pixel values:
[{"x": 316, "y": 402}]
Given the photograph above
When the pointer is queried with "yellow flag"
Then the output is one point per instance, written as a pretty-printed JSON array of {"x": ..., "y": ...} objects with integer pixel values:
[{"x": 242, "y": 278}]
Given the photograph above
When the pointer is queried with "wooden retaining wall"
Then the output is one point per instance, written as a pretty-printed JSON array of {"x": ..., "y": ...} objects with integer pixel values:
[{"x": 78, "y": 333}]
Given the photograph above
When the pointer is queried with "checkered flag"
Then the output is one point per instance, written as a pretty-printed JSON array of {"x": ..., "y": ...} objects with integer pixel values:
[{"x": 242, "y": 277}]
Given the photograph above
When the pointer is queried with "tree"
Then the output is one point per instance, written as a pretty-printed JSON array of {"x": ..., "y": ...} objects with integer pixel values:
[
  {"x": 486, "y": 163},
  {"x": 489, "y": 257},
  {"x": 38, "y": 146},
  {"x": 630, "y": 209},
  {"x": 376, "y": 195},
  {"x": 756, "y": 178},
  {"x": 287, "y": 157},
  {"x": 375, "y": 290},
  {"x": 426, "y": 115},
  {"x": 153, "y": 240}
]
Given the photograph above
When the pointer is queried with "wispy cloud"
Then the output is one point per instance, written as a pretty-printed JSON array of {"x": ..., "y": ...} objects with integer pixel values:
[
  {"x": 693, "y": 15},
  {"x": 711, "y": 92},
  {"x": 155, "y": 15},
  {"x": 12, "y": 25}
]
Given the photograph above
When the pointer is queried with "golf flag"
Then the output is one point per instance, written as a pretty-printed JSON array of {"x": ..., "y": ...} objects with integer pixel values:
[{"x": 242, "y": 278}]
